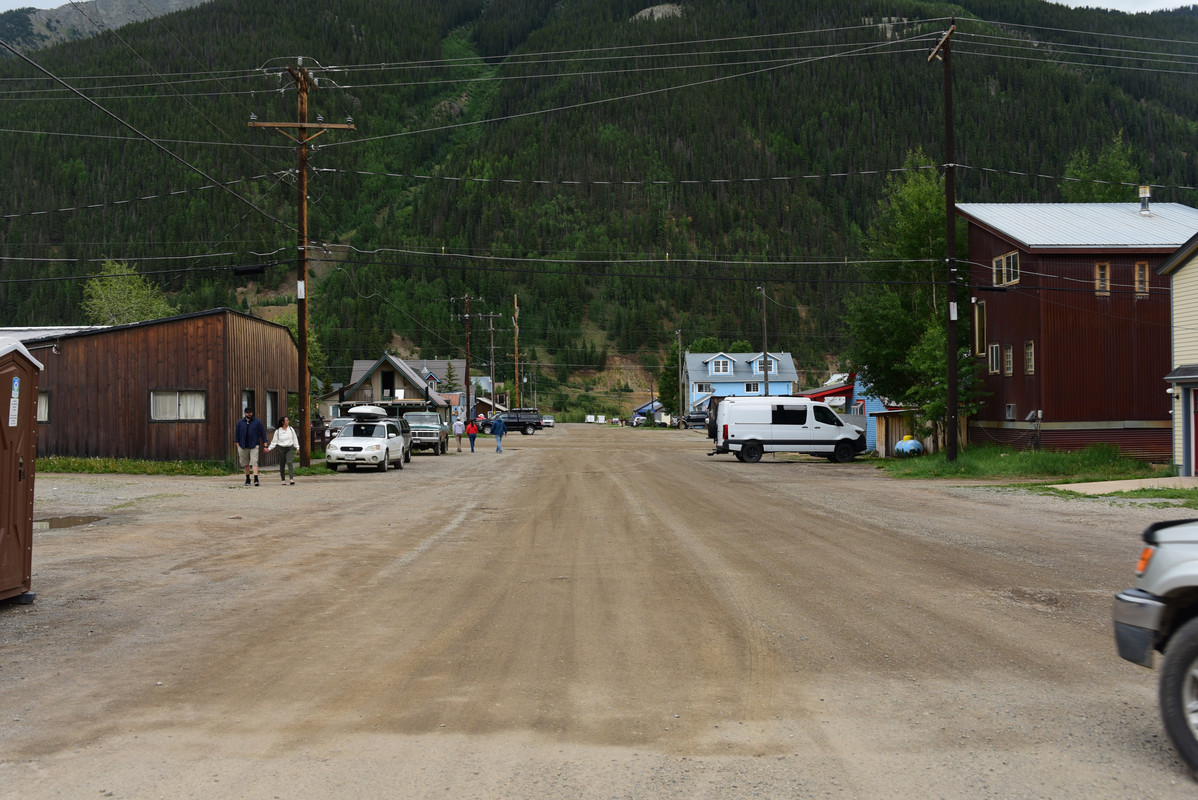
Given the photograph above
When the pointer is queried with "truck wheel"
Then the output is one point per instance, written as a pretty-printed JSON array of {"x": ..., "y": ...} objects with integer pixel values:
[
  {"x": 437, "y": 449},
  {"x": 842, "y": 452},
  {"x": 529, "y": 430},
  {"x": 751, "y": 452},
  {"x": 444, "y": 445},
  {"x": 1179, "y": 693}
]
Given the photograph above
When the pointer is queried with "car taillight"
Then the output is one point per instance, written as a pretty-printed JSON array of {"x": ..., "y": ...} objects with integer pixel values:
[
  {"x": 1145, "y": 557},
  {"x": 724, "y": 438}
]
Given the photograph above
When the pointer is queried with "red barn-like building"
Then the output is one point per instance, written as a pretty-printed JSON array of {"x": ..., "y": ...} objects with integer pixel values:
[{"x": 1071, "y": 322}]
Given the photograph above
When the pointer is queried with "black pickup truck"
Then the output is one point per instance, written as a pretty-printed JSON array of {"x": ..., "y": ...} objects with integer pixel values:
[{"x": 525, "y": 420}]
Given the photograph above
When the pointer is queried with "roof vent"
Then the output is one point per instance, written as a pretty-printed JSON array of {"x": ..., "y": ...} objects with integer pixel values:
[{"x": 1145, "y": 194}]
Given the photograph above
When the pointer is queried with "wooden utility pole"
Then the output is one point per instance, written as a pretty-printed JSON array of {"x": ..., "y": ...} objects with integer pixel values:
[
  {"x": 765, "y": 353},
  {"x": 943, "y": 51},
  {"x": 304, "y": 133},
  {"x": 681, "y": 398},
  {"x": 469, "y": 413},
  {"x": 516, "y": 346}
]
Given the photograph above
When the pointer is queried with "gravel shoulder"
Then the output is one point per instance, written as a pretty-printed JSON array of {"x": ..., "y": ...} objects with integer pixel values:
[{"x": 594, "y": 613}]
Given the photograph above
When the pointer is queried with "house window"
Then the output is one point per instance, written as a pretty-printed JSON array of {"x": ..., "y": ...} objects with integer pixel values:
[
  {"x": 753, "y": 388},
  {"x": 721, "y": 366},
  {"x": 272, "y": 409},
  {"x": 1141, "y": 279},
  {"x": 247, "y": 400},
  {"x": 771, "y": 366},
  {"x": 1008, "y": 360},
  {"x": 1029, "y": 358},
  {"x": 992, "y": 354},
  {"x": 43, "y": 406},
  {"x": 1005, "y": 269},
  {"x": 979, "y": 328},
  {"x": 1102, "y": 278},
  {"x": 703, "y": 388},
  {"x": 175, "y": 406}
]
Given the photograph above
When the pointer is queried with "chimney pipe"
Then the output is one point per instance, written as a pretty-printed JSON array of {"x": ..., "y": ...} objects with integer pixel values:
[{"x": 1145, "y": 194}]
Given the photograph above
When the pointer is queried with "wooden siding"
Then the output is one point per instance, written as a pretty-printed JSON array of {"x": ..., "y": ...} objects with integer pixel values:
[
  {"x": 1146, "y": 444},
  {"x": 1097, "y": 358},
  {"x": 1185, "y": 343},
  {"x": 99, "y": 384}
]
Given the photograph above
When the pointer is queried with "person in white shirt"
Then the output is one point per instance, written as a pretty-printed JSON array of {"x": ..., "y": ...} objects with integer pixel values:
[
  {"x": 459, "y": 428},
  {"x": 287, "y": 442}
]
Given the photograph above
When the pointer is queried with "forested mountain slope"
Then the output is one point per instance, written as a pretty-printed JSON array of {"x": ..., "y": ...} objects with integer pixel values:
[{"x": 625, "y": 178}]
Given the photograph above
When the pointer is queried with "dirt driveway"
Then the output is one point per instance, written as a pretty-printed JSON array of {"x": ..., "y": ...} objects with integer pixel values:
[{"x": 594, "y": 613}]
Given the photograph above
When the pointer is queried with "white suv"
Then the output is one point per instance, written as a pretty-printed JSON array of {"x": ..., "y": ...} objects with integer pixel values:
[
  {"x": 1161, "y": 615},
  {"x": 372, "y": 439}
]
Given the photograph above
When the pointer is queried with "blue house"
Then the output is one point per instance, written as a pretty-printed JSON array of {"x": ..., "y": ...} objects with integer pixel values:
[
  {"x": 709, "y": 375},
  {"x": 848, "y": 396}
]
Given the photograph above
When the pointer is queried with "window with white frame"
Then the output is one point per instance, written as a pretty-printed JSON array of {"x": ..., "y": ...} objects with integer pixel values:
[
  {"x": 1029, "y": 358},
  {"x": 178, "y": 406},
  {"x": 43, "y": 406},
  {"x": 1141, "y": 279},
  {"x": 771, "y": 366},
  {"x": 1008, "y": 360},
  {"x": 753, "y": 388},
  {"x": 272, "y": 409},
  {"x": 704, "y": 388},
  {"x": 721, "y": 366},
  {"x": 993, "y": 358}
]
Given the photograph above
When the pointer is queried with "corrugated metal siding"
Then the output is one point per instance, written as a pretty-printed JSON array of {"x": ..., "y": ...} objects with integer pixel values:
[
  {"x": 1145, "y": 444},
  {"x": 99, "y": 385},
  {"x": 1109, "y": 226},
  {"x": 1098, "y": 358}
]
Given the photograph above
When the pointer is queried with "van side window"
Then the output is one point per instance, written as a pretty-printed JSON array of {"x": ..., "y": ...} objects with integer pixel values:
[
  {"x": 827, "y": 416},
  {"x": 790, "y": 415}
]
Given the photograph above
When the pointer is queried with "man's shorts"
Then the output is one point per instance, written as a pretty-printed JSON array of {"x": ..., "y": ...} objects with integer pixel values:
[{"x": 247, "y": 456}]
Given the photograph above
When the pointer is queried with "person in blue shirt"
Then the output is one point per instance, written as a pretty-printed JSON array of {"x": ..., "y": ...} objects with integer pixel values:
[
  {"x": 250, "y": 436},
  {"x": 498, "y": 429}
]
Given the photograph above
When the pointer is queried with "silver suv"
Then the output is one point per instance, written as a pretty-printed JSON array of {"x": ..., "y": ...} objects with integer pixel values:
[
  {"x": 1161, "y": 615},
  {"x": 372, "y": 439}
]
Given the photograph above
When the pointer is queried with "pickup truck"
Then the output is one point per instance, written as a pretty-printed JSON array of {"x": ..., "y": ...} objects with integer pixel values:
[
  {"x": 1160, "y": 614},
  {"x": 429, "y": 431}
]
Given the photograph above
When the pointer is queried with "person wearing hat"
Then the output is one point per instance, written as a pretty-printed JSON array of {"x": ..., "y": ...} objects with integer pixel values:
[{"x": 250, "y": 436}]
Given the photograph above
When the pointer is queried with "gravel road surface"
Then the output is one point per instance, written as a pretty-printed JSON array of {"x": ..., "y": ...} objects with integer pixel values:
[{"x": 593, "y": 613}]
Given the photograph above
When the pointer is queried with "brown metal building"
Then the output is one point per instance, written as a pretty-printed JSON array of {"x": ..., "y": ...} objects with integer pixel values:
[
  {"x": 166, "y": 389},
  {"x": 1071, "y": 322}
]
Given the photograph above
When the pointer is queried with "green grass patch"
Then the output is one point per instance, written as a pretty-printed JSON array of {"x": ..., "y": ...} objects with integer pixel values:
[
  {"x": 1098, "y": 462},
  {"x": 135, "y": 466}
]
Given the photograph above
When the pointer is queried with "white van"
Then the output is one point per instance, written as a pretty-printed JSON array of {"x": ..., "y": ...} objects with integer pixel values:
[{"x": 747, "y": 427}]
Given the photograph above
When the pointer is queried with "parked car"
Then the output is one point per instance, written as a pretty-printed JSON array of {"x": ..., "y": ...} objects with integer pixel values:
[
  {"x": 429, "y": 431},
  {"x": 694, "y": 419},
  {"x": 1160, "y": 614},
  {"x": 748, "y": 427},
  {"x": 548, "y": 421},
  {"x": 526, "y": 420},
  {"x": 370, "y": 439}
]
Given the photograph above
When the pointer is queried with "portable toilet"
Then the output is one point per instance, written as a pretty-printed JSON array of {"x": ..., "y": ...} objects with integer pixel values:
[{"x": 19, "y": 373}]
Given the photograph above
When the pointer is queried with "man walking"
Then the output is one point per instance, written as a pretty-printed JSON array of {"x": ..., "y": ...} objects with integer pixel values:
[
  {"x": 250, "y": 436},
  {"x": 459, "y": 428},
  {"x": 498, "y": 429}
]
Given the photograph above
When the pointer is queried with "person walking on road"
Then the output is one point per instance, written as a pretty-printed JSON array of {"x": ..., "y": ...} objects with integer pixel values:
[
  {"x": 459, "y": 428},
  {"x": 286, "y": 442},
  {"x": 250, "y": 436},
  {"x": 498, "y": 429},
  {"x": 471, "y": 432}
]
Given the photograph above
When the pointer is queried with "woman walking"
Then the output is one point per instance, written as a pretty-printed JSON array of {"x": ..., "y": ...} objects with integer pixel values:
[
  {"x": 287, "y": 443},
  {"x": 471, "y": 431}
]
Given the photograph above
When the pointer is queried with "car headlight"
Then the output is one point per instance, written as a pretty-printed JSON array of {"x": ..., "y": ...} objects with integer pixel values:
[
  {"x": 372, "y": 447},
  {"x": 333, "y": 448}
]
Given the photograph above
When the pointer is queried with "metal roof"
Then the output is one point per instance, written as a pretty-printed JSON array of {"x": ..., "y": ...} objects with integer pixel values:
[
  {"x": 1070, "y": 226},
  {"x": 742, "y": 367}
]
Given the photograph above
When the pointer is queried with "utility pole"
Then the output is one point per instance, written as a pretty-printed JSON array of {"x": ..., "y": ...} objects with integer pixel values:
[
  {"x": 765, "y": 353},
  {"x": 304, "y": 133},
  {"x": 681, "y": 399},
  {"x": 943, "y": 51},
  {"x": 516, "y": 346},
  {"x": 491, "y": 325},
  {"x": 466, "y": 316}
]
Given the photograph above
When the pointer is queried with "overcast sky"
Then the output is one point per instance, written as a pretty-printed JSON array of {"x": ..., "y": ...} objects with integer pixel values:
[{"x": 1121, "y": 5}]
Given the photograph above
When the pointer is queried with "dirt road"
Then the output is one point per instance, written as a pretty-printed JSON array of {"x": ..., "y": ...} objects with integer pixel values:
[{"x": 594, "y": 613}]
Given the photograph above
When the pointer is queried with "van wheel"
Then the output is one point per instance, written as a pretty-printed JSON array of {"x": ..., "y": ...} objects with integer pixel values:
[
  {"x": 842, "y": 453},
  {"x": 739, "y": 457},
  {"x": 751, "y": 452}
]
